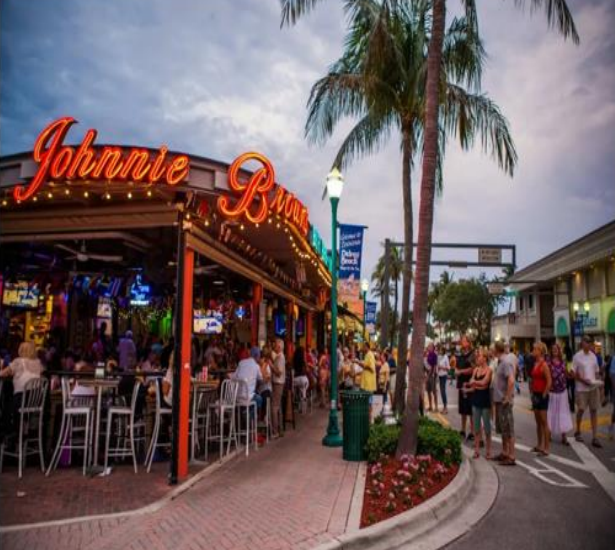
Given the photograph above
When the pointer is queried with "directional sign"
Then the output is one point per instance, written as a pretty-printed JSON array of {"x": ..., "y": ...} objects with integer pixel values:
[
  {"x": 496, "y": 289},
  {"x": 490, "y": 255}
]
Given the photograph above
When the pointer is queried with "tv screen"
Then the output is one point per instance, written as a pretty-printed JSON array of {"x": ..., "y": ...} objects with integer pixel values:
[
  {"x": 207, "y": 322},
  {"x": 140, "y": 293},
  {"x": 104, "y": 310},
  {"x": 20, "y": 294}
]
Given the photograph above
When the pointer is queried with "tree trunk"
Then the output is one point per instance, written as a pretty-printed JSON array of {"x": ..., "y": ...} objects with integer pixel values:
[
  {"x": 402, "y": 343},
  {"x": 409, "y": 435}
]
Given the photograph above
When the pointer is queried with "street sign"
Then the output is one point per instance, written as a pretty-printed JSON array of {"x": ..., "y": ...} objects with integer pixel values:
[
  {"x": 490, "y": 255},
  {"x": 496, "y": 289}
]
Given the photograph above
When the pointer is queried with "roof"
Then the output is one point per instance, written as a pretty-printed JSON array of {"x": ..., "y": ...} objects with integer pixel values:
[{"x": 593, "y": 247}]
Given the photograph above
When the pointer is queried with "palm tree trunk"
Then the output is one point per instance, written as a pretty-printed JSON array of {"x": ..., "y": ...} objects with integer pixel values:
[
  {"x": 402, "y": 345},
  {"x": 409, "y": 434},
  {"x": 395, "y": 308}
]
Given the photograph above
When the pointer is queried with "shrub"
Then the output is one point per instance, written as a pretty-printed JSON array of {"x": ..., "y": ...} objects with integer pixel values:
[
  {"x": 441, "y": 443},
  {"x": 382, "y": 440}
]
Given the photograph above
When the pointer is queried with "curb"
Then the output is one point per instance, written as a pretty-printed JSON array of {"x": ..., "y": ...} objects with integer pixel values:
[
  {"x": 147, "y": 509},
  {"x": 475, "y": 486}
]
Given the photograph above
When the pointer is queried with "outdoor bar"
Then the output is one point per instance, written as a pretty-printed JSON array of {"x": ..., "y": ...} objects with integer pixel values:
[{"x": 189, "y": 258}]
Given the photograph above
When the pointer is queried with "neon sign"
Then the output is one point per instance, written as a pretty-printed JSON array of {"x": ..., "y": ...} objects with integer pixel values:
[
  {"x": 255, "y": 201},
  {"x": 57, "y": 161}
]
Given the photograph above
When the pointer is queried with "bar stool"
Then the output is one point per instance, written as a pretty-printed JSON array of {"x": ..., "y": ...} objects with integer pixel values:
[
  {"x": 160, "y": 412},
  {"x": 77, "y": 417},
  {"x": 126, "y": 429},
  {"x": 224, "y": 407},
  {"x": 265, "y": 424},
  {"x": 31, "y": 410},
  {"x": 202, "y": 399},
  {"x": 244, "y": 402}
]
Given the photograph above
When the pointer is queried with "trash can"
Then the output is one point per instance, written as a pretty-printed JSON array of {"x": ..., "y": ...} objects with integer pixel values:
[{"x": 356, "y": 423}]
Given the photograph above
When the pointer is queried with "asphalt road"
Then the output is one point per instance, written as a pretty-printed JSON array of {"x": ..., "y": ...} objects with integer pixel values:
[{"x": 565, "y": 501}]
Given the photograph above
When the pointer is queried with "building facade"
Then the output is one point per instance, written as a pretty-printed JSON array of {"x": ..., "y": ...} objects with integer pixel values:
[{"x": 569, "y": 293}]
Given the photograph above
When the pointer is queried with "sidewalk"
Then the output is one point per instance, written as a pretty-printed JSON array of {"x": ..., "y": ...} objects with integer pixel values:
[{"x": 293, "y": 493}]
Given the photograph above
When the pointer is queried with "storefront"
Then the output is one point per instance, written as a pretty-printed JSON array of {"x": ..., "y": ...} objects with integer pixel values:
[{"x": 164, "y": 244}]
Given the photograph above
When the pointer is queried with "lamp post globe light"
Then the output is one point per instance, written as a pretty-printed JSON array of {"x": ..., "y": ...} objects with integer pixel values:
[
  {"x": 335, "y": 186},
  {"x": 364, "y": 289}
]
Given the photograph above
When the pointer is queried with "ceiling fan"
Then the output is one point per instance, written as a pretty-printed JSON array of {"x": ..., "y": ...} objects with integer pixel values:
[{"x": 83, "y": 255}]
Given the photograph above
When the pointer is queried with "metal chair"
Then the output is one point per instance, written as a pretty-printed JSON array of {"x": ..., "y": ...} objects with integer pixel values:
[
  {"x": 201, "y": 400},
  {"x": 31, "y": 409},
  {"x": 77, "y": 417},
  {"x": 160, "y": 412},
  {"x": 244, "y": 402},
  {"x": 223, "y": 408},
  {"x": 265, "y": 424},
  {"x": 127, "y": 426}
]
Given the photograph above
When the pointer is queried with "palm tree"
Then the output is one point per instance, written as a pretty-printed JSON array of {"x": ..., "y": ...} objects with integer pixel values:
[
  {"x": 395, "y": 273},
  {"x": 380, "y": 79},
  {"x": 558, "y": 15}
]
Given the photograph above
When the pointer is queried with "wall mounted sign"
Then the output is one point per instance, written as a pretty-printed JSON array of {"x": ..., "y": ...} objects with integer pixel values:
[
  {"x": 57, "y": 161},
  {"x": 260, "y": 195}
]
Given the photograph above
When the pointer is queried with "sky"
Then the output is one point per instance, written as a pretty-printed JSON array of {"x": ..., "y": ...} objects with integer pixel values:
[{"x": 220, "y": 78}]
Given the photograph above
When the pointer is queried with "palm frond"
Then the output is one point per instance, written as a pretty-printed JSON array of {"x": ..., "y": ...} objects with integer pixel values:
[
  {"x": 467, "y": 116},
  {"x": 293, "y": 10},
  {"x": 368, "y": 136},
  {"x": 558, "y": 16}
]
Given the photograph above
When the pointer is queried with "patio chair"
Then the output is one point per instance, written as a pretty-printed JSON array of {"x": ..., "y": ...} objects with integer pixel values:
[
  {"x": 77, "y": 418},
  {"x": 160, "y": 412},
  {"x": 127, "y": 426},
  {"x": 30, "y": 412},
  {"x": 224, "y": 409}
]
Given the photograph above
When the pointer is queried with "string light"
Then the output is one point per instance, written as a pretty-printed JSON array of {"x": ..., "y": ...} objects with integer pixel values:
[
  {"x": 241, "y": 227},
  {"x": 34, "y": 199},
  {"x": 50, "y": 195},
  {"x": 149, "y": 193},
  {"x": 129, "y": 195},
  {"x": 187, "y": 215},
  {"x": 67, "y": 191},
  {"x": 206, "y": 223},
  {"x": 107, "y": 195},
  {"x": 4, "y": 202},
  {"x": 86, "y": 194}
]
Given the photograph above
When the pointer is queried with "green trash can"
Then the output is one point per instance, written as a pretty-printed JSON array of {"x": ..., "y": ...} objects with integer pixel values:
[{"x": 356, "y": 423}]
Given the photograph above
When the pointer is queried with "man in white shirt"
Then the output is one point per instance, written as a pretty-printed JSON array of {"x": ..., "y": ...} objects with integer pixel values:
[
  {"x": 278, "y": 380},
  {"x": 587, "y": 393},
  {"x": 249, "y": 371}
]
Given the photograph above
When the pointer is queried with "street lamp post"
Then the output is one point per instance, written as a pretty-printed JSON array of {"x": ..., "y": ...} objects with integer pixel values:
[
  {"x": 579, "y": 317},
  {"x": 364, "y": 289},
  {"x": 335, "y": 185}
]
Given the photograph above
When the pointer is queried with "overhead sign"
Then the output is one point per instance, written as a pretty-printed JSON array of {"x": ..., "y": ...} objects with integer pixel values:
[
  {"x": 259, "y": 195},
  {"x": 490, "y": 255},
  {"x": 57, "y": 161},
  {"x": 496, "y": 289}
]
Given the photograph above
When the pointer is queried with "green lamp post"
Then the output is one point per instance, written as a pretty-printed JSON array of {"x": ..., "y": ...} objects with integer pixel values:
[
  {"x": 364, "y": 289},
  {"x": 335, "y": 185}
]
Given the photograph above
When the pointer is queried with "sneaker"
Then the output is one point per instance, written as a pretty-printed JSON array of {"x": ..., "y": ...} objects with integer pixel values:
[
  {"x": 470, "y": 437},
  {"x": 596, "y": 443},
  {"x": 462, "y": 433},
  {"x": 578, "y": 437}
]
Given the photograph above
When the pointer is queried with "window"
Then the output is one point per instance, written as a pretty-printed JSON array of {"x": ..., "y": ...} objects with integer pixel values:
[
  {"x": 521, "y": 303},
  {"x": 530, "y": 302}
]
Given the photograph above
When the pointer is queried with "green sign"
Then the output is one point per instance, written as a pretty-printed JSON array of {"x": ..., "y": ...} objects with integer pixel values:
[{"x": 319, "y": 246}]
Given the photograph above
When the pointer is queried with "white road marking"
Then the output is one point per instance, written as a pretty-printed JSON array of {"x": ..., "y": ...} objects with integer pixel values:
[
  {"x": 555, "y": 458},
  {"x": 603, "y": 476},
  {"x": 548, "y": 472}
]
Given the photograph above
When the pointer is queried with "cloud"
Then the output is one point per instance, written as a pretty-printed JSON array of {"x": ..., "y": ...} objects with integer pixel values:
[{"x": 219, "y": 78}]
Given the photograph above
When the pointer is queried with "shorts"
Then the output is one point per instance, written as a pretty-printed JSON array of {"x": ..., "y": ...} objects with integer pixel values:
[
  {"x": 484, "y": 414},
  {"x": 587, "y": 399},
  {"x": 504, "y": 420},
  {"x": 540, "y": 403},
  {"x": 432, "y": 383},
  {"x": 465, "y": 404}
]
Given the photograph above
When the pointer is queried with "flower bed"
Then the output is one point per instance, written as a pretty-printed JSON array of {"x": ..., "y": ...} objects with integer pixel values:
[{"x": 394, "y": 486}]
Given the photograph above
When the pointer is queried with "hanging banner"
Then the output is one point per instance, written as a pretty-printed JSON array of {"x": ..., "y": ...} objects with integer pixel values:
[
  {"x": 370, "y": 317},
  {"x": 349, "y": 284}
]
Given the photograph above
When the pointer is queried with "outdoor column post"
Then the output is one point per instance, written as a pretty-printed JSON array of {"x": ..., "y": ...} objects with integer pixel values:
[
  {"x": 257, "y": 298},
  {"x": 333, "y": 437},
  {"x": 290, "y": 309},
  {"x": 308, "y": 329},
  {"x": 181, "y": 363}
]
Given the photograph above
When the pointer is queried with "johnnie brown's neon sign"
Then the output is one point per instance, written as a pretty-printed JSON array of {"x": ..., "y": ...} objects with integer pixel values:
[
  {"x": 57, "y": 161},
  {"x": 254, "y": 195}
]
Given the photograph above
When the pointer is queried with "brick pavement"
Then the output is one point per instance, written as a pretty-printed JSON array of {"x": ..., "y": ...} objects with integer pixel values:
[{"x": 293, "y": 493}]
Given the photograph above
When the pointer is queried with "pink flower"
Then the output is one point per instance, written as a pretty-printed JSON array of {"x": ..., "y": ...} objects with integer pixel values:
[
  {"x": 375, "y": 482},
  {"x": 406, "y": 490},
  {"x": 392, "y": 496},
  {"x": 382, "y": 486}
]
